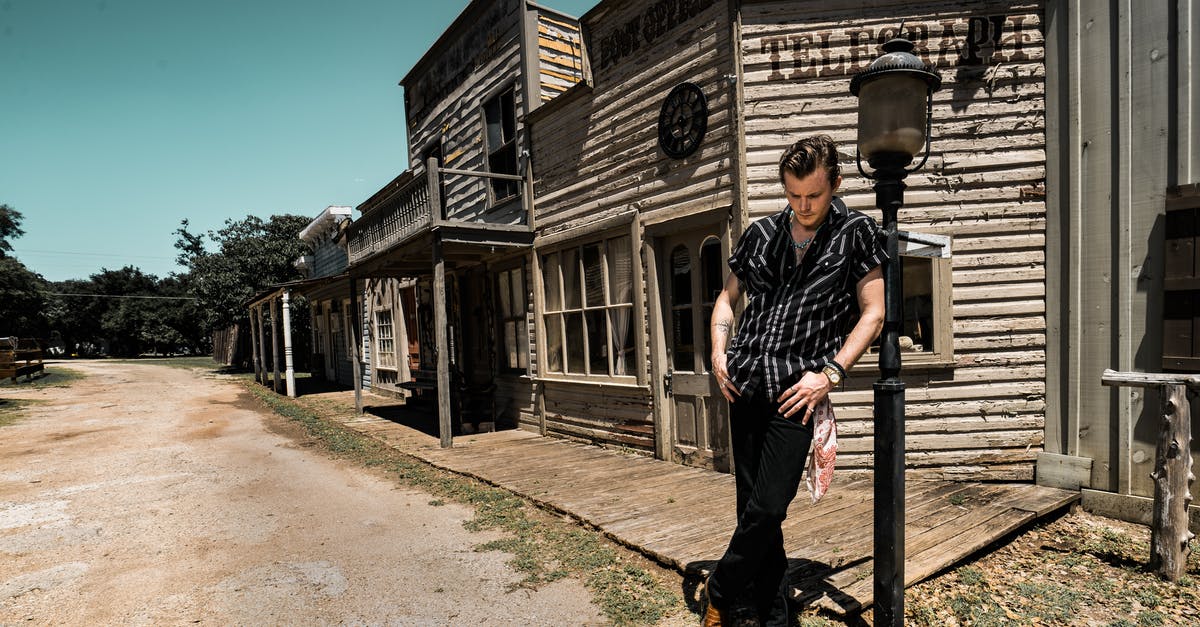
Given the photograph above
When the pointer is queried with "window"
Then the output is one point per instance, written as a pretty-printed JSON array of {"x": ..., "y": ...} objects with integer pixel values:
[
  {"x": 500, "y": 142},
  {"x": 589, "y": 309},
  {"x": 926, "y": 335},
  {"x": 514, "y": 331},
  {"x": 385, "y": 342}
]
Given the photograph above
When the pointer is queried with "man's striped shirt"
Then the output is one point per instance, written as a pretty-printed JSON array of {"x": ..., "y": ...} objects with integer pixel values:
[{"x": 797, "y": 317}]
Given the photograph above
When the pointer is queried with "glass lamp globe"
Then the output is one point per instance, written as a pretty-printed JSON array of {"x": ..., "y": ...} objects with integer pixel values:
[{"x": 893, "y": 94}]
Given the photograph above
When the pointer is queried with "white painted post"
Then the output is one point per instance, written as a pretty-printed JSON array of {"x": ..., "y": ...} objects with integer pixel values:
[{"x": 289, "y": 372}]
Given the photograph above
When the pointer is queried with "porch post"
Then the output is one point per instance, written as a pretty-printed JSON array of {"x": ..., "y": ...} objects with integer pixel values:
[
  {"x": 262, "y": 347},
  {"x": 289, "y": 372},
  {"x": 443, "y": 350},
  {"x": 539, "y": 336},
  {"x": 664, "y": 431},
  {"x": 355, "y": 345},
  {"x": 254, "y": 344},
  {"x": 275, "y": 357}
]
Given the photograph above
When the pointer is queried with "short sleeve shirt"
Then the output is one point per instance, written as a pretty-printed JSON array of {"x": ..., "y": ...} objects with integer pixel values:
[{"x": 798, "y": 315}]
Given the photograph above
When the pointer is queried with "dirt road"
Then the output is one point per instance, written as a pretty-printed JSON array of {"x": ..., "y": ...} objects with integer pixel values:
[{"x": 150, "y": 495}]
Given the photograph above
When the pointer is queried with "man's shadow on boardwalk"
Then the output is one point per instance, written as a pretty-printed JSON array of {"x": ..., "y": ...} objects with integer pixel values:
[{"x": 807, "y": 579}]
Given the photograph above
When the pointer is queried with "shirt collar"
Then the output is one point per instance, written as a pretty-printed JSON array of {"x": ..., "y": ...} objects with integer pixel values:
[{"x": 838, "y": 212}]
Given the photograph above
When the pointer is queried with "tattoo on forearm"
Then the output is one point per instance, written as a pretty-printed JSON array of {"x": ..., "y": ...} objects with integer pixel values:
[{"x": 723, "y": 326}]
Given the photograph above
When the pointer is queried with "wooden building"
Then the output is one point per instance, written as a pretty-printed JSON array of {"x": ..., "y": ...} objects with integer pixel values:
[
  {"x": 458, "y": 221},
  {"x": 1123, "y": 170},
  {"x": 328, "y": 296},
  {"x": 762, "y": 74},
  {"x": 579, "y": 288},
  {"x": 357, "y": 327}
]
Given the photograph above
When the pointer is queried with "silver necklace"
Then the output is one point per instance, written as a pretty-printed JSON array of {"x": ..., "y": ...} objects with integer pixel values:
[{"x": 799, "y": 246}]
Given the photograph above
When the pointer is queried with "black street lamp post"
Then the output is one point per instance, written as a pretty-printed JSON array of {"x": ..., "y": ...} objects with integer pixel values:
[{"x": 895, "y": 113}]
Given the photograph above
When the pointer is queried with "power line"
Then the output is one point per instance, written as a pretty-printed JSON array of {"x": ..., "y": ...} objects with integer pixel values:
[
  {"x": 122, "y": 296},
  {"x": 23, "y": 251}
]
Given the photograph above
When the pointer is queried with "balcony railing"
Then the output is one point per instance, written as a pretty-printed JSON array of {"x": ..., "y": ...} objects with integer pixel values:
[
  {"x": 415, "y": 207},
  {"x": 406, "y": 212}
]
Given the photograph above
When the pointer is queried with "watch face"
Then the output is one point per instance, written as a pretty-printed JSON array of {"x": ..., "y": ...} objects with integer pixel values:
[
  {"x": 682, "y": 120},
  {"x": 835, "y": 377}
]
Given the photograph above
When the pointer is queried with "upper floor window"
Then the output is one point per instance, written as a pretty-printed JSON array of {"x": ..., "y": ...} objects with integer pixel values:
[
  {"x": 589, "y": 309},
  {"x": 500, "y": 144}
]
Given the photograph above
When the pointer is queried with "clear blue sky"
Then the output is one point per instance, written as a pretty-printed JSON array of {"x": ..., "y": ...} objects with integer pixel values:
[{"x": 119, "y": 118}]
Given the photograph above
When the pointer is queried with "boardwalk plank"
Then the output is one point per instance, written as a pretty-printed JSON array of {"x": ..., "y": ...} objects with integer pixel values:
[{"x": 683, "y": 516}]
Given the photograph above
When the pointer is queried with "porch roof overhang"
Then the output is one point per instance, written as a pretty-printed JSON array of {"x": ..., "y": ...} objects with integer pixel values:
[
  {"x": 302, "y": 286},
  {"x": 463, "y": 244}
]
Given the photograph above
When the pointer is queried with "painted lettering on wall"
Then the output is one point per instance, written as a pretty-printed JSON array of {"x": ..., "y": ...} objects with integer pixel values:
[
  {"x": 650, "y": 26},
  {"x": 977, "y": 40},
  {"x": 479, "y": 41}
]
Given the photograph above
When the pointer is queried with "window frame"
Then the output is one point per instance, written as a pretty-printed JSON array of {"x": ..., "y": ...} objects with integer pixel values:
[
  {"x": 517, "y": 269},
  {"x": 583, "y": 308},
  {"x": 936, "y": 248},
  {"x": 380, "y": 339},
  {"x": 510, "y": 144}
]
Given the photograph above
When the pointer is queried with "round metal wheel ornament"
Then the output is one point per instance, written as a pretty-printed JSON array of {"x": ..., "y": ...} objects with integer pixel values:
[{"x": 682, "y": 121}]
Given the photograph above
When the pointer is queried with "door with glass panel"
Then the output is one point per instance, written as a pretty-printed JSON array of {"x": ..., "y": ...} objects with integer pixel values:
[{"x": 691, "y": 275}]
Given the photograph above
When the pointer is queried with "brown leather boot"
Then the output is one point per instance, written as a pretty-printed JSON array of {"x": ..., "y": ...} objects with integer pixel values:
[{"x": 712, "y": 616}]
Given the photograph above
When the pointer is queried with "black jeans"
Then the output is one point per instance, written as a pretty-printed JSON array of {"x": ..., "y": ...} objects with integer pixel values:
[{"x": 769, "y": 453}]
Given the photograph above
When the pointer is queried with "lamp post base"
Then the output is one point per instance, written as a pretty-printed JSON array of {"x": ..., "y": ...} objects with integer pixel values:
[
  {"x": 889, "y": 502},
  {"x": 889, "y": 403}
]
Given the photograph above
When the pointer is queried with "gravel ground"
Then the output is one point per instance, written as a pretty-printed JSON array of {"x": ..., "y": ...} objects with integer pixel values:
[{"x": 147, "y": 495}]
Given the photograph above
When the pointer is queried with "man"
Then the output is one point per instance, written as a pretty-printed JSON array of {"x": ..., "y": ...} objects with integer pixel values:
[{"x": 815, "y": 303}]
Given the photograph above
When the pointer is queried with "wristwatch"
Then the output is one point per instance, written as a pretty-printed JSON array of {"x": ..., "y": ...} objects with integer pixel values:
[{"x": 834, "y": 371}]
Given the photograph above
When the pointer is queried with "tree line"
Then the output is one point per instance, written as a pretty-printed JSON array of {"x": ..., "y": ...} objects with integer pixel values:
[{"x": 127, "y": 312}]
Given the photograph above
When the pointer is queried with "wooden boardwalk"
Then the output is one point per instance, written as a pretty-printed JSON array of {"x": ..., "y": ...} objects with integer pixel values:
[{"x": 683, "y": 516}]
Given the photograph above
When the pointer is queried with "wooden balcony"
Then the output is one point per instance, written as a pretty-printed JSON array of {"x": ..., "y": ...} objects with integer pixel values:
[
  {"x": 403, "y": 215},
  {"x": 394, "y": 236}
]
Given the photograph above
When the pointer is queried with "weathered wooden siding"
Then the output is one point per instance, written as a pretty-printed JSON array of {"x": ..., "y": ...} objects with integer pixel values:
[
  {"x": 483, "y": 61},
  {"x": 1124, "y": 125},
  {"x": 981, "y": 417},
  {"x": 514, "y": 401},
  {"x": 329, "y": 259},
  {"x": 560, "y": 54},
  {"x": 596, "y": 157},
  {"x": 609, "y": 414},
  {"x": 600, "y": 156},
  {"x": 379, "y": 295}
]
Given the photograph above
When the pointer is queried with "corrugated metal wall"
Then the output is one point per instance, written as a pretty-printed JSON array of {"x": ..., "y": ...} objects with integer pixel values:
[{"x": 1124, "y": 124}]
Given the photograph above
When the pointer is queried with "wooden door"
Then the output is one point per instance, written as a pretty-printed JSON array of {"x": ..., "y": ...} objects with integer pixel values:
[
  {"x": 408, "y": 302},
  {"x": 337, "y": 341},
  {"x": 692, "y": 271}
]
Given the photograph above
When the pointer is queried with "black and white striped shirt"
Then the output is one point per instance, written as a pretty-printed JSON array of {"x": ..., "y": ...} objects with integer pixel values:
[{"x": 797, "y": 318}]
